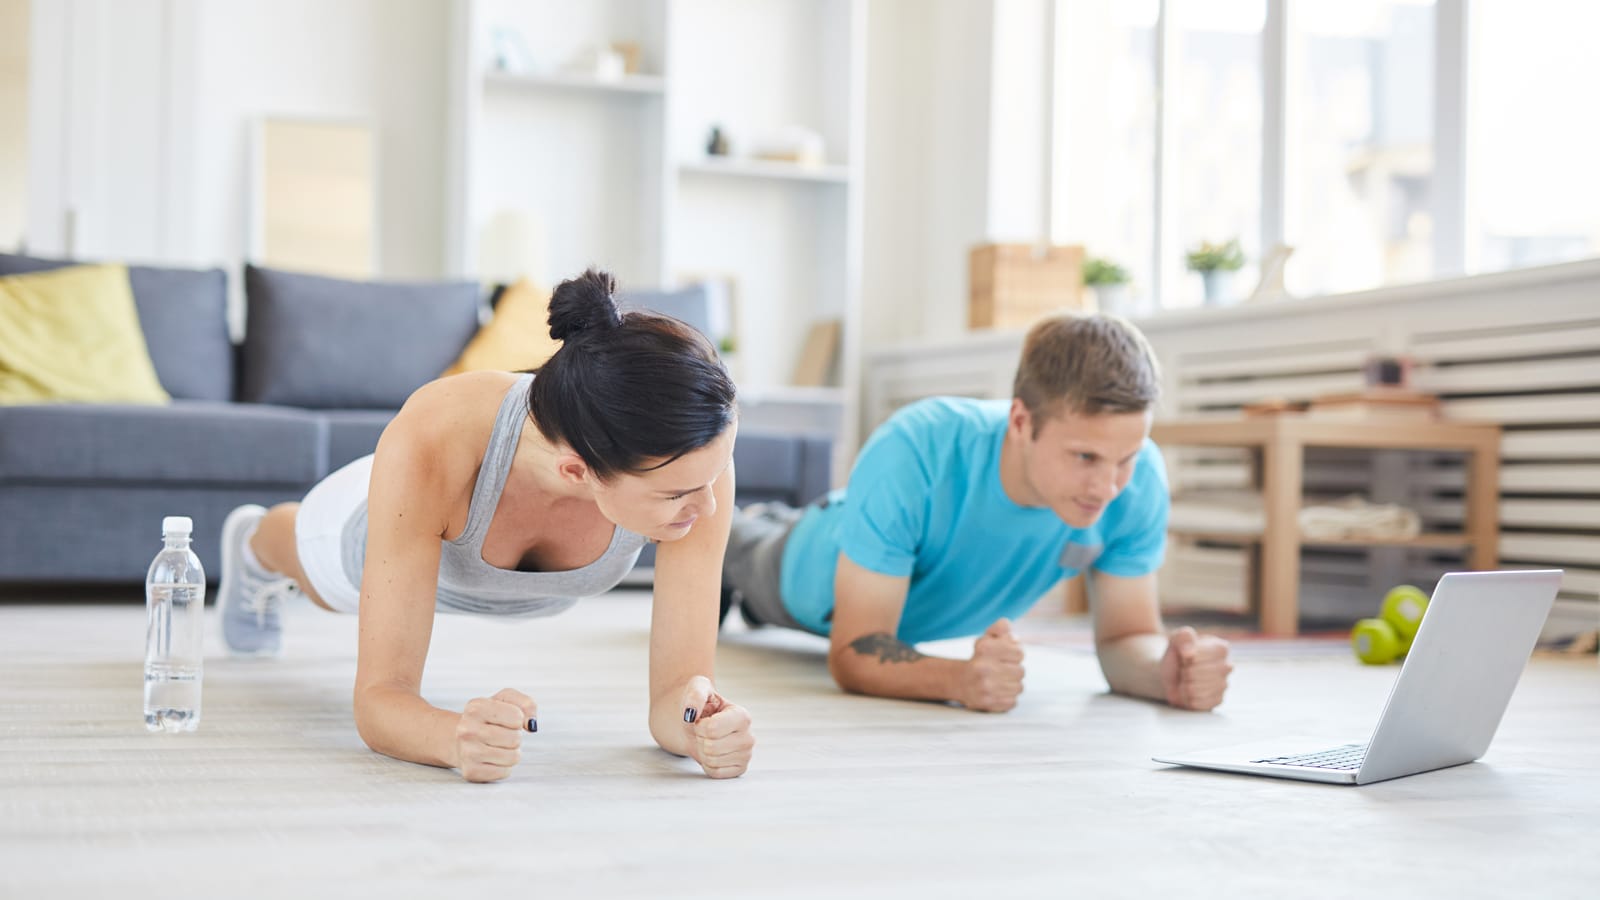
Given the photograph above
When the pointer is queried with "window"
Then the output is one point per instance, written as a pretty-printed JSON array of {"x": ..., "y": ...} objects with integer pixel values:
[
  {"x": 1533, "y": 140},
  {"x": 1106, "y": 136},
  {"x": 1216, "y": 144},
  {"x": 1312, "y": 123},
  {"x": 1358, "y": 183}
]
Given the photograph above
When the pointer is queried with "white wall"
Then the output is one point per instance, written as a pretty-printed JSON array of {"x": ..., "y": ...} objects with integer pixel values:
[
  {"x": 153, "y": 150},
  {"x": 381, "y": 61},
  {"x": 1018, "y": 156},
  {"x": 927, "y": 165},
  {"x": 141, "y": 151},
  {"x": 898, "y": 58},
  {"x": 14, "y": 117}
]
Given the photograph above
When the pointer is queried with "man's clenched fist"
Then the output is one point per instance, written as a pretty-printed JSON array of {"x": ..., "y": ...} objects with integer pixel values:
[{"x": 993, "y": 677}]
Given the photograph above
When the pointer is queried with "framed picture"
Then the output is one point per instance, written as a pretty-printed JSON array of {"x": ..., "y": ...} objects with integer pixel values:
[{"x": 313, "y": 196}]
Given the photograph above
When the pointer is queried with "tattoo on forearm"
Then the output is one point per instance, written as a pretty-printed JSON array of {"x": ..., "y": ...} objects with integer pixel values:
[{"x": 887, "y": 647}]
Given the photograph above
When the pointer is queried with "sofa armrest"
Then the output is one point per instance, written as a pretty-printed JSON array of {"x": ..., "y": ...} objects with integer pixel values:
[{"x": 784, "y": 466}]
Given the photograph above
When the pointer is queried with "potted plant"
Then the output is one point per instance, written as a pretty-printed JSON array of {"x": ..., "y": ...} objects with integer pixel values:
[
  {"x": 1216, "y": 263},
  {"x": 728, "y": 349},
  {"x": 1109, "y": 281}
]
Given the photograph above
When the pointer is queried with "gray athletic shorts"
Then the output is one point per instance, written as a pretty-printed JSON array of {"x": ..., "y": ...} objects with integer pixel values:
[{"x": 753, "y": 564}]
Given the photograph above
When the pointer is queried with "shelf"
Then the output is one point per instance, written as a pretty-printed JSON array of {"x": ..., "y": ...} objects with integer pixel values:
[
  {"x": 793, "y": 394},
  {"x": 1381, "y": 434},
  {"x": 636, "y": 85},
  {"x": 762, "y": 168},
  {"x": 540, "y": 142},
  {"x": 1447, "y": 541}
]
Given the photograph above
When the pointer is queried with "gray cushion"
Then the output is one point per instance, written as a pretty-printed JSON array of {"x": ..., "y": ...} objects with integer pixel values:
[
  {"x": 353, "y": 433},
  {"x": 772, "y": 465},
  {"x": 768, "y": 466},
  {"x": 190, "y": 442},
  {"x": 691, "y": 305},
  {"x": 184, "y": 314},
  {"x": 325, "y": 343}
]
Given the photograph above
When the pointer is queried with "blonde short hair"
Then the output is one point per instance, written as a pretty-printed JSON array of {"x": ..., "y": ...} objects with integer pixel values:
[{"x": 1088, "y": 364}]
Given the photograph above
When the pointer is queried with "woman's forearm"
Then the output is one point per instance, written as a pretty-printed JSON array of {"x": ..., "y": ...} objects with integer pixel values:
[
  {"x": 667, "y": 723},
  {"x": 398, "y": 723}
]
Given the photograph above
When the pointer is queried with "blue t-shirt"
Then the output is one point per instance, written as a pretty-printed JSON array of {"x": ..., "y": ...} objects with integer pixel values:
[{"x": 925, "y": 500}]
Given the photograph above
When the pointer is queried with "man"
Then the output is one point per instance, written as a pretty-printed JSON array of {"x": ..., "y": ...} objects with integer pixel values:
[{"x": 960, "y": 514}]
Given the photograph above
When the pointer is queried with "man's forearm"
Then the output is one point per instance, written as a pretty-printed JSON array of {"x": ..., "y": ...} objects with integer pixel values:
[
  {"x": 881, "y": 665},
  {"x": 1132, "y": 665}
]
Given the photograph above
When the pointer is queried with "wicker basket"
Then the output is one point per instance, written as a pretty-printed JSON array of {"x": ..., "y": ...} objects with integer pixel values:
[{"x": 1013, "y": 285}]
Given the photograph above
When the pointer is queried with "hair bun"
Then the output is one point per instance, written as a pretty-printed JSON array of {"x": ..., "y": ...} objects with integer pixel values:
[{"x": 584, "y": 304}]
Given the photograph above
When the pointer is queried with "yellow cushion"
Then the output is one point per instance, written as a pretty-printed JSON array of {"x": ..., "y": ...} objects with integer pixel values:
[
  {"x": 518, "y": 337},
  {"x": 73, "y": 335}
]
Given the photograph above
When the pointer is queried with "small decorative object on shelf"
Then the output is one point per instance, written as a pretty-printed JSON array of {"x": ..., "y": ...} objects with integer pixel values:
[
  {"x": 510, "y": 51},
  {"x": 604, "y": 63},
  {"x": 1388, "y": 372},
  {"x": 728, "y": 350},
  {"x": 1216, "y": 264},
  {"x": 819, "y": 355},
  {"x": 795, "y": 144},
  {"x": 1270, "y": 286},
  {"x": 1110, "y": 283},
  {"x": 631, "y": 56},
  {"x": 717, "y": 142}
]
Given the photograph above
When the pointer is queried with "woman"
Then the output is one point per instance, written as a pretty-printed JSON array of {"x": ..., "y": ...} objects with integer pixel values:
[{"x": 513, "y": 494}]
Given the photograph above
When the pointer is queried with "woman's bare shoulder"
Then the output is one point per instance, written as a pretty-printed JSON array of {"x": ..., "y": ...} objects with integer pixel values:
[
  {"x": 449, "y": 420},
  {"x": 463, "y": 396}
]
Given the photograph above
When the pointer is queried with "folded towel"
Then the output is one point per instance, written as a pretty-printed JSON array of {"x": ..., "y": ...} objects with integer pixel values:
[
  {"x": 1355, "y": 518},
  {"x": 1323, "y": 518}
]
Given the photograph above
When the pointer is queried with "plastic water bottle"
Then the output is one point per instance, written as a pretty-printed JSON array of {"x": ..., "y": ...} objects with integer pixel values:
[{"x": 175, "y": 604}]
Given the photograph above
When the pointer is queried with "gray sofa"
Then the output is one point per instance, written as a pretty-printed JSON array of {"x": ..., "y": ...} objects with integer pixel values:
[{"x": 323, "y": 366}]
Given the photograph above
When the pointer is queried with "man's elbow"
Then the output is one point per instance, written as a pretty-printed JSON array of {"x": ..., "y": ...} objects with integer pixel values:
[
  {"x": 1118, "y": 685},
  {"x": 845, "y": 675}
]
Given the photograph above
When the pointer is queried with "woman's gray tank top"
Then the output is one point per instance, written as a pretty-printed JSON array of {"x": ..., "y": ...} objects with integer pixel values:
[{"x": 467, "y": 584}]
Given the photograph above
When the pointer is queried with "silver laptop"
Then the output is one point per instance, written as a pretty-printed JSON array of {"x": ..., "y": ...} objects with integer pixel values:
[{"x": 1474, "y": 641}]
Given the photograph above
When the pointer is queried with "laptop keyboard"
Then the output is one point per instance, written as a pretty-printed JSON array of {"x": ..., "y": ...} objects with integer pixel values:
[{"x": 1347, "y": 757}]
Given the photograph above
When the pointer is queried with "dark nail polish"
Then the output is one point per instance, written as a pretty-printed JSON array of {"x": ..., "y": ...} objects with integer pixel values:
[
  {"x": 690, "y": 714},
  {"x": 533, "y": 724}
]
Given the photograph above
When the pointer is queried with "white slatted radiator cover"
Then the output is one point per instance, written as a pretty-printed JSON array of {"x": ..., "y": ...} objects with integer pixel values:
[{"x": 1521, "y": 349}]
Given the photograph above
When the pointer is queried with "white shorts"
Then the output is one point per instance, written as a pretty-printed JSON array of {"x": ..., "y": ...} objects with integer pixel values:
[{"x": 319, "y": 533}]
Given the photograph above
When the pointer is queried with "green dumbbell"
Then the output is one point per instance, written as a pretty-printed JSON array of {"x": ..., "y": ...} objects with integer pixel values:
[
  {"x": 1403, "y": 608},
  {"x": 1375, "y": 642},
  {"x": 1383, "y": 640}
]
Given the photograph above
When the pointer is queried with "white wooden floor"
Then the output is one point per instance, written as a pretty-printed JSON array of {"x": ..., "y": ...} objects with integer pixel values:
[{"x": 276, "y": 796}]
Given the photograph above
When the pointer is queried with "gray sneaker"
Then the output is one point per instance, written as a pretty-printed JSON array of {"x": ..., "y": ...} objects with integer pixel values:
[{"x": 250, "y": 599}]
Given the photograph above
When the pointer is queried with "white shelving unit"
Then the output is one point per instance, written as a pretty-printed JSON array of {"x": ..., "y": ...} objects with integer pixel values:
[
  {"x": 759, "y": 168},
  {"x": 579, "y": 159},
  {"x": 627, "y": 84},
  {"x": 614, "y": 172}
]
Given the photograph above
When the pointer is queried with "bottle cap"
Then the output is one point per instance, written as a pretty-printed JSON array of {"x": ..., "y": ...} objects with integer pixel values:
[{"x": 176, "y": 525}]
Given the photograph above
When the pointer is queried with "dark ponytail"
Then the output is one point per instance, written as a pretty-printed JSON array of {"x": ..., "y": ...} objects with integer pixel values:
[{"x": 626, "y": 388}]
